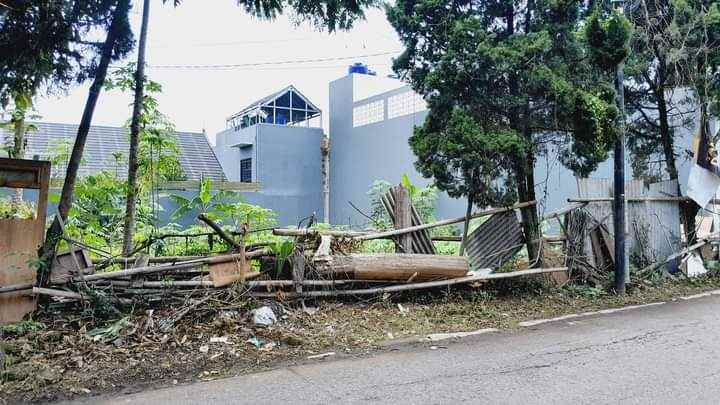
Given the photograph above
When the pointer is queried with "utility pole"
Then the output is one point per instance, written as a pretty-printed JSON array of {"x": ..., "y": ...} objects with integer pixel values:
[{"x": 622, "y": 271}]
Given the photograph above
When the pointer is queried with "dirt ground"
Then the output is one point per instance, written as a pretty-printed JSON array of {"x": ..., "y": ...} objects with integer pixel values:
[{"x": 65, "y": 353}]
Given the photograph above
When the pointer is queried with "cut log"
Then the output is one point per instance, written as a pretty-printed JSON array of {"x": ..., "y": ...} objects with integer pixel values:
[{"x": 399, "y": 267}]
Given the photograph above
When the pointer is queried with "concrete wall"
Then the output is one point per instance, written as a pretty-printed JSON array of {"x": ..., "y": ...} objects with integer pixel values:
[{"x": 378, "y": 151}]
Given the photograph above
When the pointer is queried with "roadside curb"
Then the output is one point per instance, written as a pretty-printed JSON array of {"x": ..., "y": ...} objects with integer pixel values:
[{"x": 436, "y": 337}]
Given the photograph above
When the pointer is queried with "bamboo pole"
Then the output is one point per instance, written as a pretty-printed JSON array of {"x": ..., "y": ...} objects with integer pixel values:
[
  {"x": 191, "y": 264},
  {"x": 57, "y": 293},
  {"x": 416, "y": 286},
  {"x": 381, "y": 235},
  {"x": 16, "y": 287}
]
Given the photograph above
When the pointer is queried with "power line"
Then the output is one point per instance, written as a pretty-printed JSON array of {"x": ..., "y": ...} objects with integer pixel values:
[{"x": 282, "y": 62}]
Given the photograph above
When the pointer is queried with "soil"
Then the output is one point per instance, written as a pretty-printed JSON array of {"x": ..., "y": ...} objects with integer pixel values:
[{"x": 64, "y": 353}]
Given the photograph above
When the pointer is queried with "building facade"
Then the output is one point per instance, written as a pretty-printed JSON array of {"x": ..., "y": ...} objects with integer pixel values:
[{"x": 275, "y": 143}]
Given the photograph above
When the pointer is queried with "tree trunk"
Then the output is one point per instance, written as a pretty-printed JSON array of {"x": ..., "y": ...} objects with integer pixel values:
[
  {"x": 466, "y": 228},
  {"x": 18, "y": 149},
  {"x": 132, "y": 190},
  {"x": 526, "y": 192},
  {"x": 54, "y": 233}
]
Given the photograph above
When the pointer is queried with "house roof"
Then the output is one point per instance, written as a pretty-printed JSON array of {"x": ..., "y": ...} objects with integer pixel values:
[
  {"x": 196, "y": 155},
  {"x": 274, "y": 96}
]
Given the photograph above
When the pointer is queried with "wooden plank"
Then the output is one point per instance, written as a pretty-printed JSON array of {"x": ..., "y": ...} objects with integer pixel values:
[
  {"x": 64, "y": 267},
  {"x": 226, "y": 273},
  {"x": 402, "y": 218},
  {"x": 19, "y": 242},
  {"x": 220, "y": 185}
]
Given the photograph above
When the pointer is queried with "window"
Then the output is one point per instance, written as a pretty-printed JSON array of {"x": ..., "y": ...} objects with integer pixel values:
[
  {"x": 405, "y": 104},
  {"x": 246, "y": 170},
  {"x": 368, "y": 113}
]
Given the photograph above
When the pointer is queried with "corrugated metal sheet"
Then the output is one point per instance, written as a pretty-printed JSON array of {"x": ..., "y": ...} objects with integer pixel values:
[
  {"x": 653, "y": 226},
  {"x": 495, "y": 241},
  {"x": 196, "y": 156},
  {"x": 421, "y": 241}
]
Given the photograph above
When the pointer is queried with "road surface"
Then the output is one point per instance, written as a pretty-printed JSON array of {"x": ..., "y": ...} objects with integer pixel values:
[{"x": 660, "y": 354}]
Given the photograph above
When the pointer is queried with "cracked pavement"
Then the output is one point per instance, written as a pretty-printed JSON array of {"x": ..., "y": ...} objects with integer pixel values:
[{"x": 658, "y": 354}]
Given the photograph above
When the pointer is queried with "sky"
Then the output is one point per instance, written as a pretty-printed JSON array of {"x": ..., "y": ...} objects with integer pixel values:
[{"x": 183, "y": 41}]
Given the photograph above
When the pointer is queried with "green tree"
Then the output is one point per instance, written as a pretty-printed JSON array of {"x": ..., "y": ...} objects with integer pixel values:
[
  {"x": 157, "y": 153},
  {"x": 505, "y": 82},
  {"x": 46, "y": 46}
]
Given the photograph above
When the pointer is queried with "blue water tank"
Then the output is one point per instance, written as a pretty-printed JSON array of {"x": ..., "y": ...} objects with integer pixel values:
[{"x": 360, "y": 68}]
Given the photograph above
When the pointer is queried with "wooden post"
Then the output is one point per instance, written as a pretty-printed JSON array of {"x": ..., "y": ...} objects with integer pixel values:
[
  {"x": 403, "y": 218},
  {"x": 325, "y": 177},
  {"x": 298, "y": 271}
]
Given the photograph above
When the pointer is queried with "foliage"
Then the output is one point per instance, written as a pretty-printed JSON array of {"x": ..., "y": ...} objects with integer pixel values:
[
  {"x": 21, "y": 328},
  {"x": 159, "y": 154},
  {"x": 282, "y": 250},
  {"x": 52, "y": 44},
  {"x": 10, "y": 209},
  {"x": 423, "y": 199},
  {"x": 97, "y": 213},
  {"x": 609, "y": 38},
  {"x": 213, "y": 204},
  {"x": 504, "y": 82}
]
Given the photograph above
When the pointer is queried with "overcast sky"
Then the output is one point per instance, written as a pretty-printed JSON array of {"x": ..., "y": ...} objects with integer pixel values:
[{"x": 220, "y": 33}]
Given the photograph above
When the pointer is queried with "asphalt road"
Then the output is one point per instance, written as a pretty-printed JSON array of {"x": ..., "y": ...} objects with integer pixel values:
[{"x": 660, "y": 354}]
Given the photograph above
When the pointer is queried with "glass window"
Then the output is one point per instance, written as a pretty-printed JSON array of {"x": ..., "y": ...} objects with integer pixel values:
[
  {"x": 282, "y": 116},
  {"x": 283, "y": 101},
  {"x": 267, "y": 115},
  {"x": 246, "y": 170},
  {"x": 298, "y": 102},
  {"x": 298, "y": 115}
]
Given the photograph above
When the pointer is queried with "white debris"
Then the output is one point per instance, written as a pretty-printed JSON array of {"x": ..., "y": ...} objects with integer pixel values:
[
  {"x": 693, "y": 265},
  {"x": 204, "y": 349},
  {"x": 264, "y": 316},
  {"x": 219, "y": 339},
  {"x": 321, "y": 356},
  {"x": 702, "y": 185}
]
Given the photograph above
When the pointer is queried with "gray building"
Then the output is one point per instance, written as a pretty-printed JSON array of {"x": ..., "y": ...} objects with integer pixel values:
[
  {"x": 371, "y": 119},
  {"x": 275, "y": 142}
]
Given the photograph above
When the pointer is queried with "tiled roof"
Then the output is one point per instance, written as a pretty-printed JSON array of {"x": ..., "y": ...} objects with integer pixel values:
[{"x": 196, "y": 156}]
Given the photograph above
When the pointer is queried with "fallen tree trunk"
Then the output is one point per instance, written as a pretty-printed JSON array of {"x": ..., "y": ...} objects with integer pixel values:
[
  {"x": 415, "y": 286},
  {"x": 399, "y": 267},
  {"x": 381, "y": 235}
]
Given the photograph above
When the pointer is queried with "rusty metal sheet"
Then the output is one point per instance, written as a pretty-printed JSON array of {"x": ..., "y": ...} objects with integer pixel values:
[
  {"x": 495, "y": 241},
  {"x": 653, "y": 226}
]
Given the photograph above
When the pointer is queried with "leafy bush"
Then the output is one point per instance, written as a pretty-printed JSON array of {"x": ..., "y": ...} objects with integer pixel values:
[{"x": 10, "y": 209}]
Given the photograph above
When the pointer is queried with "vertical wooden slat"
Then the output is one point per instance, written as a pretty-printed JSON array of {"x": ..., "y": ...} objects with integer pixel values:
[{"x": 403, "y": 218}]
